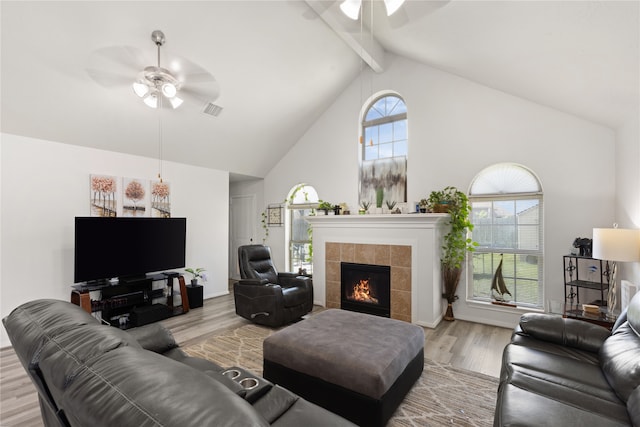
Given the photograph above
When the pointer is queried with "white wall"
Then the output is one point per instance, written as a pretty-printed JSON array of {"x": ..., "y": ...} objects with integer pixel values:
[
  {"x": 628, "y": 187},
  {"x": 457, "y": 128},
  {"x": 46, "y": 184}
]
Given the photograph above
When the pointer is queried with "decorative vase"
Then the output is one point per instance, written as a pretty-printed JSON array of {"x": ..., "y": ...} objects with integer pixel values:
[
  {"x": 450, "y": 279},
  {"x": 194, "y": 282},
  {"x": 448, "y": 315}
]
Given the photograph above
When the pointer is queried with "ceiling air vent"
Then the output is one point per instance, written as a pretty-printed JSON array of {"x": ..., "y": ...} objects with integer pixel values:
[{"x": 212, "y": 109}]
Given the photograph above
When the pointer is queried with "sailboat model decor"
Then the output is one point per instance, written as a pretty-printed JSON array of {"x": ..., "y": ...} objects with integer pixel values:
[{"x": 499, "y": 289}]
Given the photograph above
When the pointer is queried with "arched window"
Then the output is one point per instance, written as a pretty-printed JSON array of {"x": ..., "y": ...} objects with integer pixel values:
[
  {"x": 506, "y": 212},
  {"x": 301, "y": 199},
  {"x": 384, "y": 149}
]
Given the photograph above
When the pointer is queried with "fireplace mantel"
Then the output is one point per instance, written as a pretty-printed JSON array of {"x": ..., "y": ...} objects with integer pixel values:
[{"x": 421, "y": 232}]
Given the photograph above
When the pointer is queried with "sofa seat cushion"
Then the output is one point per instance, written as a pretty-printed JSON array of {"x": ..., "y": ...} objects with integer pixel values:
[
  {"x": 294, "y": 296},
  {"x": 524, "y": 408},
  {"x": 570, "y": 385}
]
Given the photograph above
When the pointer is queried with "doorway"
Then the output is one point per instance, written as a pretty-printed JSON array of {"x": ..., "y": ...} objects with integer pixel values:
[{"x": 242, "y": 220}]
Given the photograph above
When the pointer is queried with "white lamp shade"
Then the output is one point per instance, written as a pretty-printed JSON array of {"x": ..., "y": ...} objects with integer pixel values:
[{"x": 616, "y": 244}]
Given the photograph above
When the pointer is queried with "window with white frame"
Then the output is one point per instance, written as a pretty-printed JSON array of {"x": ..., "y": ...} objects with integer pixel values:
[
  {"x": 506, "y": 212},
  {"x": 301, "y": 201},
  {"x": 384, "y": 150}
]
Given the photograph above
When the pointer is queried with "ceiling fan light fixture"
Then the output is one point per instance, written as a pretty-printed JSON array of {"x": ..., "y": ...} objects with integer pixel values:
[
  {"x": 351, "y": 8},
  {"x": 154, "y": 81},
  {"x": 175, "y": 102},
  {"x": 140, "y": 89},
  {"x": 392, "y": 6},
  {"x": 151, "y": 100},
  {"x": 169, "y": 90}
]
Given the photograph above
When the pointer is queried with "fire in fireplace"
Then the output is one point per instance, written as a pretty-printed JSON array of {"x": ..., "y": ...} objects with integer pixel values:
[{"x": 366, "y": 288}]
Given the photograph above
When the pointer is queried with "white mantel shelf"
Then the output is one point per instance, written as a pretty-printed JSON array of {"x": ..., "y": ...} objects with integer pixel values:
[
  {"x": 370, "y": 220},
  {"x": 423, "y": 232}
]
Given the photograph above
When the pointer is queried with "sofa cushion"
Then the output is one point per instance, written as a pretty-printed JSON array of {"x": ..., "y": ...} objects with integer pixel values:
[
  {"x": 568, "y": 332},
  {"x": 154, "y": 337},
  {"x": 560, "y": 378},
  {"x": 135, "y": 387},
  {"x": 64, "y": 355},
  {"x": 519, "y": 407},
  {"x": 633, "y": 406},
  {"x": 620, "y": 358}
]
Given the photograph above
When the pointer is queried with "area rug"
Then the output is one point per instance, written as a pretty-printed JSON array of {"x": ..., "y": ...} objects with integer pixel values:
[{"x": 442, "y": 396}]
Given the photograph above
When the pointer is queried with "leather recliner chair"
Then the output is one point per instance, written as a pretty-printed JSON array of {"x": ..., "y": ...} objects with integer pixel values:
[{"x": 265, "y": 296}]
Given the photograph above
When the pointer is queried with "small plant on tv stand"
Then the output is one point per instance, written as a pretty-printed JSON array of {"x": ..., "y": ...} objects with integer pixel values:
[{"x": 196, "y": 272}]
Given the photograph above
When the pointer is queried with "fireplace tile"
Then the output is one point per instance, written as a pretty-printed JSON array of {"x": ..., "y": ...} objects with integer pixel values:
[
  {"x": 347, "y": 252},
  {"x": 365, "y": 254},
  {"x": 401, "y": 278},
  {"x": 401, "y": 256},
  {"x": 332, "y": 251},
  {"x": 400, "y": 305},
  {"x": 332, "y": 271},
  {"x": 382, "y": 255},
  {"x": 333, "y": 293}
]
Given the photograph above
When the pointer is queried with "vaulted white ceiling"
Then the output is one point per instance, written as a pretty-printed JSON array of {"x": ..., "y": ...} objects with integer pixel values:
[{"x": 280, "y": 64}]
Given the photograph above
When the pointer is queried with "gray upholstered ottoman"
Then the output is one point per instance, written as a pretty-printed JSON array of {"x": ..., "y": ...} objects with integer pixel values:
[{"x": 357, "y": 365}]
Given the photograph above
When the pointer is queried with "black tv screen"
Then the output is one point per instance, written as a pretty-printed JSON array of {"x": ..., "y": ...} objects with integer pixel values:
[{"x": 127, "y": 247}]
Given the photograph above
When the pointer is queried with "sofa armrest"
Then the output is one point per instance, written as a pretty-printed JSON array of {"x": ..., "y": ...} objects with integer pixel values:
[
  {"x": 569, "y": 332},
  {"x": 253, "y": 282},
  {"x": 254, "y": 291},
  {"x": 154, "y": 337},
  {"x": 288, "y": 280}
]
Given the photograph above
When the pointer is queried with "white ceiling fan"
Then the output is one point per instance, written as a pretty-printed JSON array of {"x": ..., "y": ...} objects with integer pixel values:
[{"x": 171, "y": 85}]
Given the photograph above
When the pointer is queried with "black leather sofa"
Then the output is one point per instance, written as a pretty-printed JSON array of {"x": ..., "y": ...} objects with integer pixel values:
[
  {"x": 567, "y": 372},
  {"x": 89, "y": 374}
]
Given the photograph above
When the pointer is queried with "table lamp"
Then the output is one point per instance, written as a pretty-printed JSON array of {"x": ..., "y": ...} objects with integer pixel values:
[{"x": 615, "y": 245}]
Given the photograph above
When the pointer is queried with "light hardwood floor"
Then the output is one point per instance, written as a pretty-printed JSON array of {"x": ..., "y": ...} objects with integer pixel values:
[{"x": 462, "y": 344}]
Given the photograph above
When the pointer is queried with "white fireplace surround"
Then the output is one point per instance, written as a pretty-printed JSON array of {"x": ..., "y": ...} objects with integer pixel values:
[{"x": 422, "y": 232}]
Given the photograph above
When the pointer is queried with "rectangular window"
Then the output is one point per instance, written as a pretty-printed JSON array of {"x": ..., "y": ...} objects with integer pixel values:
[
  {"x": 508, "y": 229},
  {"x": 300, "y": 242}
]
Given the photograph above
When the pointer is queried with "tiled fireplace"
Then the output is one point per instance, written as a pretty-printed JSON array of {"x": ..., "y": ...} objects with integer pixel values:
[
  {"x": 408, "y": 244},
  {"x": 397, "y": 257}
]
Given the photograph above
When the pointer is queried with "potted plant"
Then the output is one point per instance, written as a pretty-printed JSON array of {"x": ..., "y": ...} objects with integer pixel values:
[
  {"x": 390, "y": 205},
  {"x": 456, "y": 243},
  {"x": 423, "y": 204},
  {"x": 438, "y": 201},
  {"x": 325, "y": 206},
  {"x": 364, "y": 207},
  {"x": 196, "y": 272}
]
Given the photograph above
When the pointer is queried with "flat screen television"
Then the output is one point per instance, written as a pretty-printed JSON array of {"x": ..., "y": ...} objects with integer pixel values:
[{"x": 127, "y": 248}]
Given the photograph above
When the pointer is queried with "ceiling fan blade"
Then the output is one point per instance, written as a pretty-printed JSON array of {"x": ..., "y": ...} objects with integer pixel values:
[
  {"x": 115, "y": 65},
  {"x": 109, "y": 80},
  {"x": 200, "y": 93}
]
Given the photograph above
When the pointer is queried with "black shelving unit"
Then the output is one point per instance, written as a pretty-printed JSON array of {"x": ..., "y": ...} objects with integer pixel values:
[
  {"x": 119, "y": 300},
  {"x": 578, "y": 275}
]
